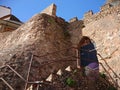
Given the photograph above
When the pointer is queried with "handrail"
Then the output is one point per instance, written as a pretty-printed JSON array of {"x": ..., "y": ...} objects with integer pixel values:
[
  {"x": 115, "y": 82},
  {"x": 26, "y": 81},
  {"x": 108, "y": 66},
  {"x": 16, "y": 72},
  {"x": 108, "y": 74},
  {"x": 62, "y": 60},
  {"x": 52, "y": 61},
  {"x": 7, "y": 83},
  {"x": 55, "y": 52},
  {"x": 78, "y": 57},
  {"x": 28, "y": 74}
]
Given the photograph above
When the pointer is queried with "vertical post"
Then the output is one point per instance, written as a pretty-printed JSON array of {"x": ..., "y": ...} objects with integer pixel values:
[
  {"x": 37, "y": 87},
  {"x": 78, "y": 58},
  {"x": 28, "y": 72}
]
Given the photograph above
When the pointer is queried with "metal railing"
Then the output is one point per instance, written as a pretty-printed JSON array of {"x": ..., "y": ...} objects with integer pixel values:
[
  {"x": 53, "y": 61},
  {"x": 115, "y": 82}
]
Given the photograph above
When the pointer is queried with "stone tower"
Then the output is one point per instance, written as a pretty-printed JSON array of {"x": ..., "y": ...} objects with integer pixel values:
[{"x": 50, "y": 10}]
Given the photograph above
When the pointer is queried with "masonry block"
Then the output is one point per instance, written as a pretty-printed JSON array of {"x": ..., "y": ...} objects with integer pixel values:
[
  {"x": 50, "y": 10},
  {"x": 106, "y": 6},
  {"x": 88, "y": 14}
]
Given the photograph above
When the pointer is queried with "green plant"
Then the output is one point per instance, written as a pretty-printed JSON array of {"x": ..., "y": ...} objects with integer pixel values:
[
  {"x": 75, "y": 71},
  {"x": 51, "y": 20},
  {"x": 66, "y": 33},
  {"x": 70, "y": 82},
  {"x": 103, "y": 75}
]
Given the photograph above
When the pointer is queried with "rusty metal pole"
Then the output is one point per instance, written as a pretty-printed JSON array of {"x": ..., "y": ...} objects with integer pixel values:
[
  {"x": 37, "y": 87},
  {"x": 29, "y": 72},
  {"x": 7, "y": 83},
  {"x": 16, "y": 72},
  {"x": 78, "y": 58}
]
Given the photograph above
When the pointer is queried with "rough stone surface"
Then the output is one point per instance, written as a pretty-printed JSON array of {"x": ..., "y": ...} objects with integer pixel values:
[
  {"x": 41, "y": 35},
  {"x": 106, "y": 33},
  {"x": 75, "y": 31},
  {"x": 106, "y": 9},
  {"x": 44, "y": 34},
  {"x": 38, "y": 34}
]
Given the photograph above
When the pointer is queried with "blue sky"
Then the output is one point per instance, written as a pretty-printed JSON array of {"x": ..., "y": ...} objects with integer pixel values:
[{"x": 67, "y": 9}]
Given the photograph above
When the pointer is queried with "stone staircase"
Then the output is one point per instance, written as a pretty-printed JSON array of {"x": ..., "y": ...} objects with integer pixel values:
[{"x": 68, "y": 77}]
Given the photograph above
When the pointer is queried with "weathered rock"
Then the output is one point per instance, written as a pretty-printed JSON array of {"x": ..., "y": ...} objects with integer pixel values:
[
  {"x": 44, "y": 34},
  {"x": 41, "y": 35},
  {"x": 106, "y": 34}
]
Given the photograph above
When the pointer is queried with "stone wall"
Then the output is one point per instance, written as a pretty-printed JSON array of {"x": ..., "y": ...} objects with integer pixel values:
[
  {"x": 88, "y": 14},
  {"x": 50, "y": 10},
  {"x": 73, "y": 19},
  {"x": 106, "y": 6},
  {"x": 105, "y": 10},
  {"x": 41, "y": 35},
  {"x": 75, "y": 30},
  {"x": 106, "y": 33}
]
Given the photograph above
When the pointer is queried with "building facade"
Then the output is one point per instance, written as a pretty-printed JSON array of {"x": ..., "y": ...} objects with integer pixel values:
[{"x": 8, "y": 22}]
